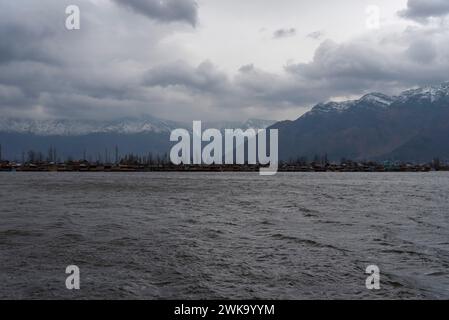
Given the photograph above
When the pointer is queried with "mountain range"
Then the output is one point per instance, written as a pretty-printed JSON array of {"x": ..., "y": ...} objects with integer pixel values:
[
  {"x": 98, "y": 139},
  {"x": 144, "y": 124},
  {"x": 412, "y": 126}
]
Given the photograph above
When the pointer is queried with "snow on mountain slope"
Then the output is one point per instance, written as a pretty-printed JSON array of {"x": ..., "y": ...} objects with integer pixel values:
[
  {"x": 430, "y": 94},
  {"x": 427, "y": 93},
  {"x": 377, "y": 99},
  {"x": 122, "y": 126},
  {"x": 257, "y": 124},
  {"x": 82, "y": 127}
]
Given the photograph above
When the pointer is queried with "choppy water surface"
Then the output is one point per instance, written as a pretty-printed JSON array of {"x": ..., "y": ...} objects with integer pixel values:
[{"x": 233, "y": 235}]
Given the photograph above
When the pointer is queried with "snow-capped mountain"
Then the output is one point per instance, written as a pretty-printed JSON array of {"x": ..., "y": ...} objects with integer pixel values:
[
  {"x": 412, "y": 126},
  {"x": 145, "y": 124},
  {"x": 331, "y": 107},
  {"x": 82, "y": 127},
  {"x": 77, "y": 138},
  {"x": 132, "y": 126},
  {"x": 375, "y": 99},
  {"x": 427, "y": 94}
]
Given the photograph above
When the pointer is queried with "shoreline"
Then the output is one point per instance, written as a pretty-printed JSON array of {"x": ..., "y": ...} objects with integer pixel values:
[
  {"x": 135, "y": 166},
  {"x": 225, "y": 169}
]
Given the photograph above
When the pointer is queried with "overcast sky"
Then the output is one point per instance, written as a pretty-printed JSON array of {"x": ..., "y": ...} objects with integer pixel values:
[{"x": 213, "y": 59}]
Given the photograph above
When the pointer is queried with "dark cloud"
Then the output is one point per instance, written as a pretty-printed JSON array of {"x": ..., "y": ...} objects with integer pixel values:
[
  {"x": 205, "y": 77},
  {"x": 26, "y": 32},
  {"x": 284, "y": 33},
  {"x": 316, "y": 35},
  {"x": 48, "y": 71},
  {"x": 120, "y": 66},
  {"x": 422, "y": 51},
  {"x": 376, "y": 64},
  {"x": 348, "y": 60},
  {"x": 255, "y": 87},
  {"x": 164, "y": 10},
  {"x": 421, "y": 10},
  {"x": 18, "y": 44},
  {"x": 247, "y": 68}
]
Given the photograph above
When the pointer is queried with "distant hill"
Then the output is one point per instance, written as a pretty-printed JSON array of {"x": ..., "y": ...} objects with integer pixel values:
[
  {"x": 66, "y": 127},
  {"x": 413, "y": 126},
  {"x": 98, "y": 139}
]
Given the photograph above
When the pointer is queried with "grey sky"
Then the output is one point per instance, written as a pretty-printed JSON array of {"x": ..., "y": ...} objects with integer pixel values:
[{"x": 212, "y": 59}]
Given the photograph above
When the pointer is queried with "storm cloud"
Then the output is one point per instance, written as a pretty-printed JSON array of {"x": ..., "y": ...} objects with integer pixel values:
[
  {"x": 164, "y": 10},
  {"x": 205, "y": 77},
  {"x": 123, "y": 64},
  {"x": 421, "y": 10},
  {"x": 379, "y": 62}
]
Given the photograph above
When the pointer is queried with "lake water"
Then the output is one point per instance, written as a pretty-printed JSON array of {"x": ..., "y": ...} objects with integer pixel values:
[{"x": 224, "y": 235}]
